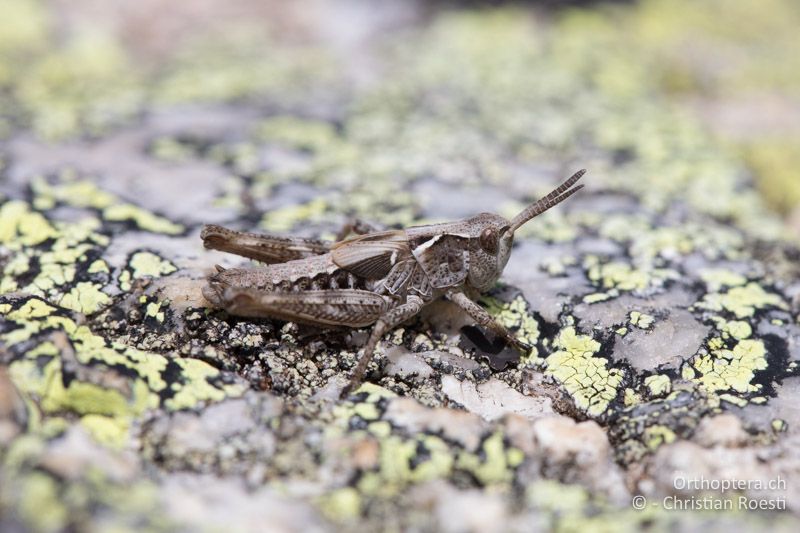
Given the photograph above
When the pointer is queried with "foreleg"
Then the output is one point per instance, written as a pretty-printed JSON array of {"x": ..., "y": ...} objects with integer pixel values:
[{"x": 482, "y": 317}]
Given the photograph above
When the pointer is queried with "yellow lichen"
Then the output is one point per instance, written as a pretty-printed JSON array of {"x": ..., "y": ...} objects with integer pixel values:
[
  {"x": 779, "y": 425},
  {"x": 717, "y": 278},
  {"x": 71, "y": 192},
  {"x": 630, "y": 397},
  {"x": 107, "y": 430},
  {"x": 641, "y": 320},
  {"x": 438, "y": 464},
  {"x": 85, "y": 298},
  {"x": 716, "y": 343},
  {"x": 33, "y": 308},
  {"x": 723, "y": 370},
  {"x": 374, "y": 392},
  {"x": 153, "y": 310},
  {"x": 624, "y": 277},
  {"x": 557, "y": 497},
  {"x": 658, "y": 385},
  {"x": 494, "y": 465},
  {"x": 143, "y": 219},
  {"x": 655, "y": 436},
  {"x": 98, "y": 266},
  {"x": 21, "y": 227},
  {"x": 381, "y": 429},
  {"x": 395, "y": 464},
  {"x": 586, "y": 377},
  {"x": 196, "y": 388},
  {"x": 341, "y": 504},
  {"x": 40, "y": 503},
  {"x": 125, "y": 280},
  {"x": 286, "y": 218},
  {"x": 67, "y": 246},
  {"x": 149, "y": 264},
  {"x": 366, "y": 410},
  {"x": 735, "y": 400},
  {"x": 623, "y": 227},
  {"x": 742, "y": 301},
  {"x": 596, "y": 297},
  {"x": 737, "y": 329},
  {"x": 80, "y": 397},
  {"x": 51, "y": 277},
  {"x": 551, "y": 227},
  {"x": 114, "y": 395},
  {"x": 557, "y": 266},
  {"x": 298, "y": 133}
]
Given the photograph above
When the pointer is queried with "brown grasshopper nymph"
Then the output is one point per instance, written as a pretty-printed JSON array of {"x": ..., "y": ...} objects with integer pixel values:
[{"x": 378, "y": 278}]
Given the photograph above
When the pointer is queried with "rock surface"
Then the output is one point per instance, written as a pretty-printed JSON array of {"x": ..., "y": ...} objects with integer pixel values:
[{"x": 662, "y": 301}]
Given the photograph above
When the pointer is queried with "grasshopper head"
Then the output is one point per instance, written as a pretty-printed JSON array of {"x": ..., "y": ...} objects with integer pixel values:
[
  {"x": 490, "y": 248},
  {"x": 495, "y": 236}
]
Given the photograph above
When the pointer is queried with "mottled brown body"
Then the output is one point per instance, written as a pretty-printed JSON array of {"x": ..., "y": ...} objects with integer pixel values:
[{"x": 379, "y": 277}]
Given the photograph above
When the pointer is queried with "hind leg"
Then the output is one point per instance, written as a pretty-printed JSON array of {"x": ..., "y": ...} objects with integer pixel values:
[
  {"x": 273, "y": 249},
  {"x": 341, "y": 307},
  {"x": 268, "y": 249}
]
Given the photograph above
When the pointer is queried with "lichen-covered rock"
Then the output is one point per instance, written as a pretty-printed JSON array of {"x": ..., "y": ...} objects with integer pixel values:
[{"x": 661, "y": 302}]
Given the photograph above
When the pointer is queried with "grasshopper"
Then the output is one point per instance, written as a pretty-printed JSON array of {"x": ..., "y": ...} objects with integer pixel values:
[{"x": 378, "y": 278}]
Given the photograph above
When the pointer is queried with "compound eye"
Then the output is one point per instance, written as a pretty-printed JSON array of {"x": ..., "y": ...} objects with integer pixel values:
[{"x": 488, "y": 240}]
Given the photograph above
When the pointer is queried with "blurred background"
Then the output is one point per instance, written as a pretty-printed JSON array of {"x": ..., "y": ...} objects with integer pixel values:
[{"x": 455, "y": 86}]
